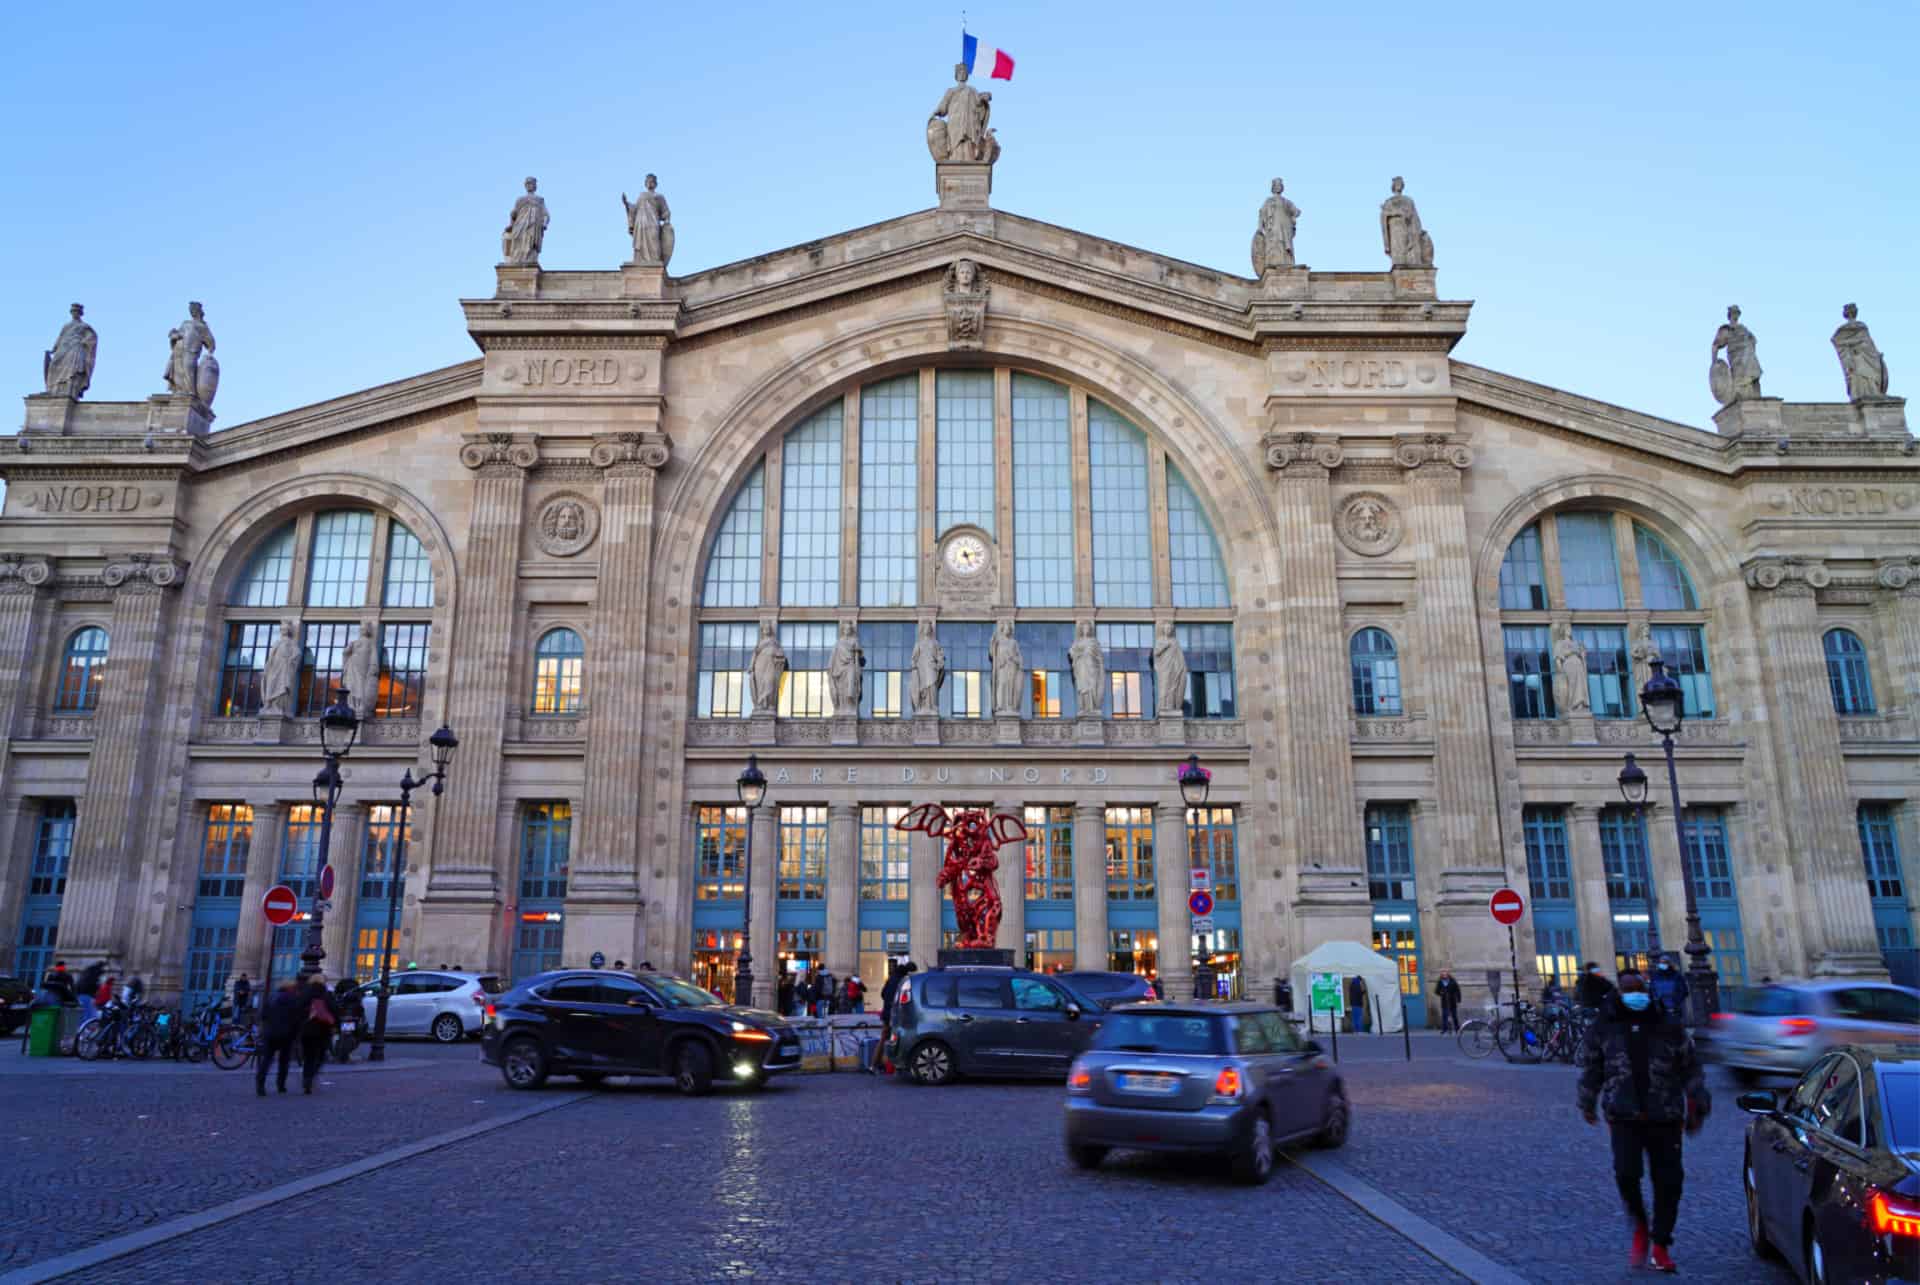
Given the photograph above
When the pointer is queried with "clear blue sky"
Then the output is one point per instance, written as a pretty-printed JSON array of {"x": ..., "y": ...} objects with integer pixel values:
[{"x": 1602, "y": 180}]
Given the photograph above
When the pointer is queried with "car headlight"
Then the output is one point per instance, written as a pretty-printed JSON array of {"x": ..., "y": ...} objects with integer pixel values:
[{"x": 741, "y": 1031}]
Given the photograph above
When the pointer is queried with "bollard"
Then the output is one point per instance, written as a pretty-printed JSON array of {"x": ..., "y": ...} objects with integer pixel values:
[
  {"x": 1406, "y": 1033},
  {"x": 1334, "y": 1027}
]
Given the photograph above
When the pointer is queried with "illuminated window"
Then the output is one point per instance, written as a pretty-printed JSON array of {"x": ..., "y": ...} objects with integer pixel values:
[
  {"x": 1049, "y": 854},
  {"x": 733, "y": 563},
  {"x": 557, "y": 664},
  {"x": 803, "y": 688},
  {"x": 82, "y": 669},
  {"x": 243, "y": 663},
  {"x": 883, "y": 855},
  {"x": 1043, "y": 645},
  {"x": 969, "y": 671},
  {"x": 726, "y": 650},
  {"x": 1129, "y": 654},
  {"x": 1212, "y": 845},
  {"x": 720, "y": 847},
  {"x": 546, "y": 850},
  {"x": 887, "y": 645},
  {"x": 223, "y": 852},
  {"x": 403, "y": 670},
  {"x": 1130, "y": 854},
  {"x": 803, "y": 854},
  {"x": 380, "y": 852},
  {"x": 300, "y": 850}
]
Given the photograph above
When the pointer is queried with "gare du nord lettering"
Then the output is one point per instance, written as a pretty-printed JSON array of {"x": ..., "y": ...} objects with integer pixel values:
[
  {"x": 1847, "y": 501},
  {"x": 86, "y": 499}
]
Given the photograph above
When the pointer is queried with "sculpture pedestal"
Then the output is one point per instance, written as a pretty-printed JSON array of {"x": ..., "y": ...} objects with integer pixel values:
[
  {"x": 1171, "y": 729},
  {"x": 1087, "y": 730},
  {"x": 178, "y": 413},
  {"x": 643, "y": 281},
  {"x": 1761, "y": 416},
  {"x": 48, "y": 413},
  {"x": 990, "y": 956},
  {"x": 843, "y": 729},
  {"x": 1006, "y": 730},
  {"x": 1287, "y": 283},
  {"x": 1413, "y": 283},
  {"x": 1882, "y": 416},
  {"x": 963, "y": 185},
  {"x": 760, "y": 729},
  {"x": 926, "y": 729},
  {"x": 512, "y": 281},
  {"x": 272, "y": 727}
]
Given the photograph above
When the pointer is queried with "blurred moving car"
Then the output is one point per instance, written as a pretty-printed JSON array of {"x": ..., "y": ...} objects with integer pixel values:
[
  {"x": 1234, "y": 1080},
  {"x": 448, "y": 1006},
  {"x": 1832, "y": 1169},
  {"x": 16, "y": 997},
  {"x": 1783, "y": 1029},
  {"x": 1109, "y": 990},
  {"x": 592, "y": 1024},
  {"x": 987, "y": 1019}
]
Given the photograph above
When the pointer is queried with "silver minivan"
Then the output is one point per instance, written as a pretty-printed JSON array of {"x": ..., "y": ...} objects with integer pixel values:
[
  {"x": 446, "y": 1005},
  {"x": 1784, "y": 1028}
]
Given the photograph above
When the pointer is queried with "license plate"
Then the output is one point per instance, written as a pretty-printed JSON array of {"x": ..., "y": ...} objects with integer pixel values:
[
  {"x": 1134, "y": 1082},
  {"x": 346, "y": 1026}
]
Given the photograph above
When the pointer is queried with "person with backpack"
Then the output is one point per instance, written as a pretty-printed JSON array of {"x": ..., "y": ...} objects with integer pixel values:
[
  {"x": 319, "y": 1020},
  {"x": 242, "y": 995},
  {"x": 1669, "y": 988},
  {"x": 89, "y": 983}
]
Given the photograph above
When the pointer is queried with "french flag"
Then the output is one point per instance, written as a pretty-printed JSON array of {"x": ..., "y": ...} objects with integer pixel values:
[{"x": 997, "y": 62}]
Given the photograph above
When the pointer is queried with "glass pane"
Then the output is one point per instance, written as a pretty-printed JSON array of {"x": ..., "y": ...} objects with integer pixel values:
[
  {"x": 1684, "y": 649},
  {"x": 963, "y": 448},
  {"x": 264, "y": 583},
  {"x": 243, "y": 663},
  {"x": 1664, "y": 584},
  {"x": 1376, "y": 673},
  {"x": 810, "y": 512},
  {"x": 1588, "y": 573},
  {"x": 409, "y": 577},
  {"x": 1209, "y": 653},
  {"x": 1523, "y": 585},
  {"x": 342, "y": 558},
  {"x": 1199, "y": 576},
  {"x": 81, "y": 672},
  {"x": 324, "y": 645},
  {"x": 889, "y": 492},
  {"x": 1609, "y": 673},
  {"x": 1042, "y": 494},
  {"x": 1529, "y": 671},
  {"x": 557, "y": 665},
  {"x": 725, "y": 650},
  {"x": 1389, "y": 829},
  {"x": 733, "y": 563},
  {"x": 403, "y": 670},
  {"x": 1122, "y": 538}
]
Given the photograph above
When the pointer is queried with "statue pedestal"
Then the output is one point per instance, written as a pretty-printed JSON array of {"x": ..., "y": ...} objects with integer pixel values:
[
  {"x": 515, "y": 282},
  {"x": 1006, "y": 730},
  {"x": 272, "y": 727},
  {"x": 963, "y": 185},
  {"x": 1756, "y": 416},
  {"x": 1413, "y": 283},
  {"x": 1580, "y": 728},
  {"x": 48, "y": 413},
  {"x": 990, "y": 956},
  {"x": 760, "y": 730},
  {"x": 178, "y": 413},
  {"x": 643, "y": 281},
  {"x": 1087, "y": 730},
  {"x": 1171, "y": 729},
  {"x": 1287, "y": 283},
  {"x": 926, "y": 729},
  {"x": 1879, "y": 416},
  {"x": 843, "y": 729}
]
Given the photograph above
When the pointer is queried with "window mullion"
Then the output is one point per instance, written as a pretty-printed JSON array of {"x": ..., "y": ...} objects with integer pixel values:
[
  {"x": 1003, "y": 479},
  {"x": 1550, "y": 562},
  {"x": 1159, "y": 533},
  {"x": 302, "y": 561},
  {"x": 850, "y": 499},
  {"x": 1082, "y": 498},
  {"x": 376, "y": 587}
]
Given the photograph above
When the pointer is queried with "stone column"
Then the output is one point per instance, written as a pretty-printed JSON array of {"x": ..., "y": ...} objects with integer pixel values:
[
  {"x": 1595, "y": 912},
  {"x": 1090, "y": 886},
  {"x": 923, "y": 899},
  {"x": 1466, "y": 826},
  {"x": 263, "y": 869},
  {"x": 347, "y": 852},
  {"x": 603, "y": 888},
  {"x": 463, "y": 893},
  {"x": 1899, "y": 611},
  {"x": 843, "y": 881},
  {"x": 1011, "y": 880},
  {"x": 97, "y": 916},
  {"x": 765, "y": 821},
  {"x": 23, "y": 619},
  {"x": 1171, "y": 861},
  {"x": 16, "y": 859},
  {"x": 1820, "y": 817},
  {"x": 1666, "y": 876}
]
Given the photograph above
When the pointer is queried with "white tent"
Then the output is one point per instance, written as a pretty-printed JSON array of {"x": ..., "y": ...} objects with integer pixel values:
[{"x": 1350, "y": 958}]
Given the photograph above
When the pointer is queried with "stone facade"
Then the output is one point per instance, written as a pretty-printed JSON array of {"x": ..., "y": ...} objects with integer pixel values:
[{"x": 574, "y": 477}]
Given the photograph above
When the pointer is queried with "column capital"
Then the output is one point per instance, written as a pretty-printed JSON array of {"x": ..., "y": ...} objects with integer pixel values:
[
  {"x": 622, "y": 454},
  {"x": 1584, "y": 811},
  {"x": 1090, "y": 812},
  {"x": 843, "y": 811},
  {"x": 143, "y": 573},
  {"x": 1302, "y": 454},
  {"x": 1787, "y": 577},
  {"x": 499, "y": 454},
  {"x": 1899, "y": 575},
  {"x": 1437, "y": 452},
  {"x": 20, "y": 574}
]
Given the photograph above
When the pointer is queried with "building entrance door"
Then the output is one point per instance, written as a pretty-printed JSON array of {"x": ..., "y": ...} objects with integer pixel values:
[{"x": 1396, "y": 934}]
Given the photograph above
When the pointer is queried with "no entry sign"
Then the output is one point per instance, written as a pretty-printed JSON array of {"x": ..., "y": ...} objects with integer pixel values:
[
  {"x": 279, "y": 905},
  {"x": 326, "y": 880},
  {"x": 1507, "y": 906},
  {"x": 1201, "y": 904}
]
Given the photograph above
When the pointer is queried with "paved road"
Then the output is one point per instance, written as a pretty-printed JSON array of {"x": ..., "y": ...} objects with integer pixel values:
[{"x": 820, "y": 1178}]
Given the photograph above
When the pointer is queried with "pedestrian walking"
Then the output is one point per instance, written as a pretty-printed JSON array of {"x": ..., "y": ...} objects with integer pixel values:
[
  {"x": 89, "y": 983},
  {"x": 803, "y": 994},
  {"x": 1449, "y": 992},
  {"x": 783, "y": 996},
  {"x": 242, "y": 995},
  {"x": 1669, "y": 989},
  {"x": 619, "y": 965},
  {"x": 1593, "y": 988},
  {"x": 279, "y": 1026},
  {"x": 136, "y": 990},
  {"x": 108, "y": 989},
  {"x": 856, "y": 995},
  {"x": 1357, "y": 1003},
  {"x": 824, "y": 995},
  {"x": 58, "y": 983},
  {"x": 1639, "y": 1069},
  {"x": 319, "y": 1021}
]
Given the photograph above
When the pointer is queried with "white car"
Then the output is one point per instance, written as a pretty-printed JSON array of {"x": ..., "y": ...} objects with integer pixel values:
[{"x": 448, "y": 1006}]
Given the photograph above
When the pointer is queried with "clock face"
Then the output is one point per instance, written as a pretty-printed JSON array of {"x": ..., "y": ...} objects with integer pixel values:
[{"x": 966, "y": 555}]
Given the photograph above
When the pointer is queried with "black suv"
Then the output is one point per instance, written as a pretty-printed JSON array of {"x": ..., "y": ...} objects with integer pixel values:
[
  {"x": 16, "y": 997},
  {"x": 591, "y": 1024},
  {"x": 979, "y": 1019}
]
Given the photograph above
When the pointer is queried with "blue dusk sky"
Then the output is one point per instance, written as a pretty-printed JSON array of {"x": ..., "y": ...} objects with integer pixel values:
[{"x": 1601, "y": 180}]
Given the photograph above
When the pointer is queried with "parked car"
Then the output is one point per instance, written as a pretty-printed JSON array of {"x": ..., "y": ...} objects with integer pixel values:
[
  {"x": 591, "y": 1024},
  {"x": 1109, "y": 990},
  {"x": 16, "y": 997},
  {"x": 448, "y": 1006},
  {"x": 1785, "y": 1028},
  {"x": 1234, "y": 1080},
  {"x": 982, "y": 1019},
  {"x": 1832, "y": 1169}
]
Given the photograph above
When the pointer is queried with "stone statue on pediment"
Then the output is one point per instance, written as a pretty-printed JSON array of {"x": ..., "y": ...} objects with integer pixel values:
[
  {"x": 1406, "y": 242},
  {"x": 926, "y": 670},
  {"x": 526, "y": 229},
  {"x": 1737, "y": 378},
  {"x": 1570, "y": 671},
  {"x": 360, "y": 670},
  {"x": 1273, "y": 239},
  {"x": 650, "y": 224},
  {"x": 957, "y": 130},
  {"x": 1860, "y": 360},
  {"x": 1089, "y": 666},
  {"x": 845, "y": 669},
  {"x": 282, "y": 671},
  {"x": 1169, "y": 672},
  {"x": 189, "y": 373},
  {"x": 764, "y": 670},
  {"x": 68, "y": 365},
  {"x": 1009, "y": 670}
]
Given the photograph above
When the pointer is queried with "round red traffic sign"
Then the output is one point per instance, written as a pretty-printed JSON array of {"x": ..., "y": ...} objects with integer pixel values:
[
  {"x": 279, "y": 905},
  {"x": 1507, "y": 906},
  {"x": 326, "y": 881},
  {"x": 1201, "y": 903}
]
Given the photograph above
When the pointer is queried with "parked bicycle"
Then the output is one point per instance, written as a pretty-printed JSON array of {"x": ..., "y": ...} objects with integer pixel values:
[
  {"x": 122, "y": 1029},
  {"x": 234, "y": 1046}
]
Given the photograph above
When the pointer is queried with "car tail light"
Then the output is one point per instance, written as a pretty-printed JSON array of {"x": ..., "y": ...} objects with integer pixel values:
[
  {"x": 479, "y": 997},
  {"x": 1893, "y": 1216},
  {"x": 905, "y": 997},
  {"x": 1797, "y": 1025},
  {"x": 1227, "y": 1085},
  {"x": 1716, "y": 1019},
  {"x": 1079, "y": 1080}
]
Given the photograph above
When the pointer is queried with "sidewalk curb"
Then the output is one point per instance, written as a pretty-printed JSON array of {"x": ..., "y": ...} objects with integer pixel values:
[{"x": 1450, "y": 1251}]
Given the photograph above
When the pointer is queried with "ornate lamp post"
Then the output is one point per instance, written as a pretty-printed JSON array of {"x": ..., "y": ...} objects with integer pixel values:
[
  {"x": 752, "y": 787},
  {"x": 339, "y": 728},
  {"x": 1633, "y": 788},
  {"x": 1665, "y": 709},
  {"x": 1195, "y": 783},
  {"x": 442, "y": 743}
]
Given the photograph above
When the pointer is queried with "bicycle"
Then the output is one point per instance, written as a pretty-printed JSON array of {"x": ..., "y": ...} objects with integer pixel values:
[
  {"x": 1476, "y": 1037},
  {"x": 233, "y": 1047},
  {"x": 120, "y": 1030},
  {"x": 1518, "y": 1035}
]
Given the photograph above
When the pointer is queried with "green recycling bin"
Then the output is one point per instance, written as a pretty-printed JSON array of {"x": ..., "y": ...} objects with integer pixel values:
[{"x": 43, "y": 1032}]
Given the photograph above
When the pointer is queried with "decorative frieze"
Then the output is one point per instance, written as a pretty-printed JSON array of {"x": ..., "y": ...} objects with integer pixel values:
[
  {"x": 70, "y": 727},
  {"x": 554, "y": 729},
  {"x": 708, "y": 732},
  {"x": 1542, "y": 731},
  {"x": 1632, "y": 731},
  {"x": 1876, "y": 727},
  {"x": 1402, "y": 728}
]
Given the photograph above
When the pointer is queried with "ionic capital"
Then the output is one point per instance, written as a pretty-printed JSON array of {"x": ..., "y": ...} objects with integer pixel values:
[
  {"x": 1899, "y": 575},
  {"x": 1788, "y": 577},
  {"x": 1439, "y": 451},
  {"x": 22, "y": 574},
  {"x": 142, "y": 573},
  {"x": 1308, "y": 452},
  {"x": 624, "y": 452},
  {"x": 494, "y": 454}
]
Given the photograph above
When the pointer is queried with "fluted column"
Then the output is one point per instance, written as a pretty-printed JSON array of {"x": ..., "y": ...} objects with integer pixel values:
[
  {"x": 1011, "y": 880},
  {"x": 263, "y": 867},
  {"x": 843, "y": 878},
  {"x": 1313, "y": 651},
  {"x": 97, "y": 912},
  {"x": 1090, "y": 886},
  {"x": 1825, "y": 844},
  {"x": 1666, "y": 876},
  {"x": 1171, "y": 862},
  {"x": 923, "y": 899},
  {"x": 1594, "y": 911},
  {"x": 347, "y": 854},
  {"x": 23, "y": 617},
  {"x": 1899, "y": 609},
  {"x": 765, "y": 821}
]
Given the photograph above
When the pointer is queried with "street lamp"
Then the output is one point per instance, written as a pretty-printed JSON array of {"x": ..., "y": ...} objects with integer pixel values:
[
  {"x": 1666, "y": 711},
  {"x": 442, "y": 743},
  {"x": 752, "y": 787},
  {"x": 339, "y": 728},
  {"x": 1633, "y": 788},
  {"x": 1195, "y": 783}
]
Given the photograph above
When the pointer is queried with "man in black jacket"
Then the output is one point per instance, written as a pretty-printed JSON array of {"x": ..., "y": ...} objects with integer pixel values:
[
  {"x": 280, "y": 1021},
  {"x": 1449, "y": 992},
  {"x": 1593, "y": 987},
  {"x": 1639, "y": 1069}
]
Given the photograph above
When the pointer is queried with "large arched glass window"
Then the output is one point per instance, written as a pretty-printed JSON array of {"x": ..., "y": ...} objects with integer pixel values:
[
  {"x": 1122, "y": 516},
  {"x": 890, "y": 492},
  {"x": 346, "y": 560},
  {"x": 733, "y": 569},
  {"x": 1376, "y": 672},
  {"x": 82, "y": 667},
  {"x": 810, "y": 512},
  {"x": 1847, "y": 674},
  {"x": 558, "y": 660},
  {"x": 1199, "y": 579}
]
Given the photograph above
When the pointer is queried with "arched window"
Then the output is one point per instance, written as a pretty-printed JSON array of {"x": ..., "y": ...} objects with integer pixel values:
[
  {"x": 733, "y": 569},
  {"x": 557, "y": 664},
  {"x": 1847, "y": 673},
  {"x": 1376, "y": 672},
  {"x": 82, "y": 668},
  {"x": 264, "y": 582}
]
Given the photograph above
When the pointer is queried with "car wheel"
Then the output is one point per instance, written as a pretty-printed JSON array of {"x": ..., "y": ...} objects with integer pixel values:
[
  {"x": 1333, "y": 1130},
  {"x": 931, "y": 1062},
  {"x": 693, "y": 1068},
  {"x": 1253, "y": 1163},
  {"x": 1086, "y": 1157},
  {"x": 447, "y": 1028},
  {"x": 524, "y": 1063},
  {"x": 592, "y": 1079},
  {"x": 1756, "y": 1229}
]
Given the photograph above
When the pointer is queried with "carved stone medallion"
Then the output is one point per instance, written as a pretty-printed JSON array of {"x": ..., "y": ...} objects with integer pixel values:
[
  {"x": 1369, "y": 524},
  {"x": 567, "y": 524}
]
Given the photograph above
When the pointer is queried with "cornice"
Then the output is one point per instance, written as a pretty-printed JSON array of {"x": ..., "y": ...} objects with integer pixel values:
[{"x": 331, "y": 420}]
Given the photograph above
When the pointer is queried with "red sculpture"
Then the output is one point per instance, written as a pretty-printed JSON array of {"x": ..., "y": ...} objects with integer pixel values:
[{"x": 972, "y": 842}]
